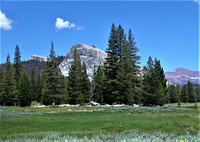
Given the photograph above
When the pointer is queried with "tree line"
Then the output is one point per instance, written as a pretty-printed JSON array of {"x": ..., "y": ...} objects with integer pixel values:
[{"x": 120, "y": 80}]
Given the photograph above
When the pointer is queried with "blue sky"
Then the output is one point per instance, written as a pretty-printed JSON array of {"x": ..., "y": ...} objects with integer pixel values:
[{"x": 167, "y": 30}]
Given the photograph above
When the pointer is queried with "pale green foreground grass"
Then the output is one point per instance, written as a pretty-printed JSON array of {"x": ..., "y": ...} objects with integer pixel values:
[
  {"x": 167, "y": 123},
  {"x": 184, "y": 105}
]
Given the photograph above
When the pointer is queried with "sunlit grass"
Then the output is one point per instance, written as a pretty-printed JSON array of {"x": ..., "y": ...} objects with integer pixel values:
[
  {"x": 186, "y": 105},
  {"x": 17, "y": 122}
]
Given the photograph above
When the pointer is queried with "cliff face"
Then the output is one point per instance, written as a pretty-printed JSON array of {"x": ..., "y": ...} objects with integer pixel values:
[{"x": 90, "y": 55}]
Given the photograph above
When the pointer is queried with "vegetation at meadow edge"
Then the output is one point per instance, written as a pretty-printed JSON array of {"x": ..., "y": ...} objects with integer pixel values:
[{"x": 79, "y": 122}]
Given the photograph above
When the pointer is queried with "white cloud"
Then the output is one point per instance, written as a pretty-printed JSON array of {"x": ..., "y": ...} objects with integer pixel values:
[
  {"x": 61, "y": 24},
  {"x": 5, "y": 23}
]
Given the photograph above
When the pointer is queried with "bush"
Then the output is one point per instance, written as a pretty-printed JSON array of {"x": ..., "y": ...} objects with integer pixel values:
[
  {"x": 35, "y": 103},
  {"x": 179, "y": 103},
  {"x": 195, "y": 106}
]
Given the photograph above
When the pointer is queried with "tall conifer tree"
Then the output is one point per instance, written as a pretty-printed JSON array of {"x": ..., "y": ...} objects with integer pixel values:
[
  {"x": 17, "y": 64},
  {"x": 111, "y": 67},
  {"x": 52, "y": 89},
  {"x": 78, "y": 83},
  {"x": 85, "y": 84},
  {"x": 17, "y": 69},
  {"x": 125, "y": 78},
  {"x": 25, "y": 97},
  {"x": 154, "y": 84},
  {"x": 184, "y": 95},
  {"x": 9, "y": 87},
  {"x": 173, "y": 94},
  {"x": 133, "y": 51},
  {"x": 121, "y": 68},
  {"x": 191, "y": 92},
  {"x": 136, "y": 68},
  {"x": 74, "y": 80},
  {"x": 98, "y": 80},
  {"x": 33, "y": 85},
  {"x": 39, "y": 88}
]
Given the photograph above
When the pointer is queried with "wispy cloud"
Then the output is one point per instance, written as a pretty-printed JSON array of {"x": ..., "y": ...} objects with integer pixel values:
[
  {"x": 197, "y": 1},
  {"x": 64, "y": 24},
  {"x": 5, "y": 23}
]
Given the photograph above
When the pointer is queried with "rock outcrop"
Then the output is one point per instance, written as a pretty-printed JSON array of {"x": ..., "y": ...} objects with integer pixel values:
[
  {"x": 90, "y": 55},
  {"x": 38, "y": 58}
]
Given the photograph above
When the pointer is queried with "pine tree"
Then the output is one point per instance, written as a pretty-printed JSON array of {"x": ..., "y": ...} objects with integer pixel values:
[
  {"x": 98, "y": 81},
  {"x": 125, "y": 76},
  {"x": 191, "y": 92},
  {"x": 154, "y": 84},
  {"x": 123, "y": 68},
  {"x": 93, "y": 84},
  {"x": 74, "y": 80},
  {"x": 17, "y": 64},
  {"x": 9, "y": 87},
  {"x": 52, "y": 52},
  {"x": 78, "y": 83},
  {"x": 136, "y": 68},
  {"x": 39, "y": 88},
  {"x": 122, "y": 84},
  {"x": 85, "y": 84},
  {"x": 173, "y": 94},
  {"x": 17, "y": 68},
  {"x": 63, "y": 89},
  {"x": 184, "y": 95},
  {"x": 128, "y": 69},
  {"x": 147, "y": 96},
  {"x": 111, "y": 67},
  {"x": 33, "y": 85},
  {"x": 178, "y": 90},
  {"x": 121, "y": 41},
  {"x": 162, "y": 92},
  {"x": 24, "y": 90},
  {"x": 133, "y": 51},
  {"x": 52, "y": 89}
]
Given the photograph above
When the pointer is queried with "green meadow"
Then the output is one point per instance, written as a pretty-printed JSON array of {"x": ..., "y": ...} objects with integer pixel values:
[{"x": 99, "y": 123}]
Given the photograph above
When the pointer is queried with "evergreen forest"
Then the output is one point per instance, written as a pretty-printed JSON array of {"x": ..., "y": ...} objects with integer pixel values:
[{"x": 121, "y": 80}]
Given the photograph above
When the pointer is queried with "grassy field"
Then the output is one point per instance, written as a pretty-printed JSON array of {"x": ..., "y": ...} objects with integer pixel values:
[{"x": 88, "y": 122}]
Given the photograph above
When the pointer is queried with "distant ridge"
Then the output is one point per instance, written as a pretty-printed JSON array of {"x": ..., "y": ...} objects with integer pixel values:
[{"x": 181, "y": 76}]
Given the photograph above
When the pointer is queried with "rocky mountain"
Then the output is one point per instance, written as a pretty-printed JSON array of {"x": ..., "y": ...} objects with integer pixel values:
[
  {"x": 91, "y": 55},
  {"x": 181, "y": 76},
  {"x": 38, "y": 58}
]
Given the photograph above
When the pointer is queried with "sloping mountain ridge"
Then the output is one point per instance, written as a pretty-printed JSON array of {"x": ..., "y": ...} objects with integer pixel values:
[{"x": 181, "y": 76}]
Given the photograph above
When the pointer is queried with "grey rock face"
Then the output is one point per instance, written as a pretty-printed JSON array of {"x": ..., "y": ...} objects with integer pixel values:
[{"x": 90, "y": 55}]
